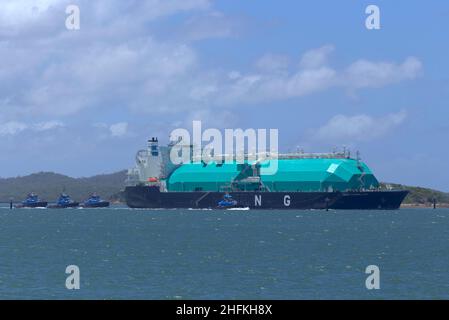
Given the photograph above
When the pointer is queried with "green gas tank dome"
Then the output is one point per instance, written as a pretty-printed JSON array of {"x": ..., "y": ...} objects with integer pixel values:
[{"x": 296, "y": 174}]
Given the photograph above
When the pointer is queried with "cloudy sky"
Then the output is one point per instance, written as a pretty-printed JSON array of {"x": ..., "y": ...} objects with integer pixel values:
[{"x": 82, "y": 102}]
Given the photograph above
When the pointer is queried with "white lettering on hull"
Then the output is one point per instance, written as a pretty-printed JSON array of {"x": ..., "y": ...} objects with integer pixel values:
[
  {"x": 287, "y": 200},
  {"x": 258, "y": 200}
]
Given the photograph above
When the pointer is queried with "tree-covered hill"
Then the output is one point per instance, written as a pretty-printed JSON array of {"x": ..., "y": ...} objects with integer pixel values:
[
  {"x": 421, "y": 196},
  {"x": 49, "y": 185}
]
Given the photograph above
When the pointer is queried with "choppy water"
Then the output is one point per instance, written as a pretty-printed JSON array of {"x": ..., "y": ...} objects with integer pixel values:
[{"x": 188, "y": 254}]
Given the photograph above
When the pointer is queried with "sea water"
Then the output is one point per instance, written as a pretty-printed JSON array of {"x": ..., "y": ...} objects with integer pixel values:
[{"x": 216, "y": 254}]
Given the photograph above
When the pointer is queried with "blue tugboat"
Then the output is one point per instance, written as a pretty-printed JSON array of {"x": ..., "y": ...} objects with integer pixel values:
[
  {"x": 63, "y": 202},
  {"x": 32, "y": 201},
  {"x": 227, "y": 202},
  {"x": 95, "y": 202}
]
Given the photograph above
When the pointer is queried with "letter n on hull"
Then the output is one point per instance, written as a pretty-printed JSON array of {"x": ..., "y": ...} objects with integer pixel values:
[{"x": 258, "y": 200}]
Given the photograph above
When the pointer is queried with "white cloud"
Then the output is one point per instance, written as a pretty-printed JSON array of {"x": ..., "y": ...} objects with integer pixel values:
[
  {"x": 119, "y": 129},
  {"x": 49, "y": 125},
  {"x": 112, "y": 62},
  {"x": 273, "y": 80},
  {"x": 367, "y": 74},
  {"x": 115, "y": 60},
  {"x": 343, "y": 129},
  {"x": 309, "y": 81},
  {"x": 273, "y": 63},
  {"x": 12, "y": 128},
  {"x": 18, "y": 12},
  {"x": 316, "y": 58},
  {"x": 19, "y": 15},
  {"x": 139, "y": 70}
]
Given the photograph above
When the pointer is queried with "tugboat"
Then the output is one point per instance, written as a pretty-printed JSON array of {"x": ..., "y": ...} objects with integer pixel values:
[
  {"x": 227, "y": 202},
  {"x": 63, "y": 202},
  {"x": 32, "y": 201},
  {"x": 95, "y": 202}
]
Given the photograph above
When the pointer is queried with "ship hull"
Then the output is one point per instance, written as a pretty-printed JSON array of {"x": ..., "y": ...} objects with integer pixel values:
[
  {"x": 65, "y": 206},
  {"x": 41, "y": 204},
  {"x": 151, "y": 197},
  {"x": 371, "y": 200},
  {"x": 102, "y": 204}
]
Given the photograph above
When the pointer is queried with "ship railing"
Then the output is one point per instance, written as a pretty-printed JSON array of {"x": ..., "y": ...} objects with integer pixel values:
[
  {"x": 273, "y": 156},
  {"x": 251, "y": 179}
]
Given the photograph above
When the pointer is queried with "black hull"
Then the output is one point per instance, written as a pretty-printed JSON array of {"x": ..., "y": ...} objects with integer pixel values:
[
  {"x": 71, "y": 205},
  {"x": 151, "y": 197},
  {"x": 42, "y": 204},
  {"x": 371, "y": 200},
  {"x": 103, "y": 204}
]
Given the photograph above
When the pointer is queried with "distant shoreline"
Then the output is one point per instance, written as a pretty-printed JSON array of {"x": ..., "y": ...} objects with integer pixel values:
[
  {"x": 423, "y": 205},
  {"x": 403, "y": 206}
]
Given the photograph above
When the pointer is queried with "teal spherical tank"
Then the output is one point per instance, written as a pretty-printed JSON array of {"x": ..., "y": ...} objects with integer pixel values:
[{"x": 308, "y": 174}]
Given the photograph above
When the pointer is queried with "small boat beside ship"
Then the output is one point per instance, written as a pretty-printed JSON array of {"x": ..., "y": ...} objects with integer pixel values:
[
  {"x": 32, "y": 201},
  {"x": 227, "y": 202},
  {"x": 95, "y": 202},
  {"x": 64, "y": 201}
]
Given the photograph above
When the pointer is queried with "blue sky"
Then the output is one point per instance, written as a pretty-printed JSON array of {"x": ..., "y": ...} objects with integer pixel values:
[{"x": 83, "y": 102}]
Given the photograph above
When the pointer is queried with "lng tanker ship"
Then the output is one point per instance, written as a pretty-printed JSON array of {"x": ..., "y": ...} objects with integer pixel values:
[{"x": 301, "y": 181}]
